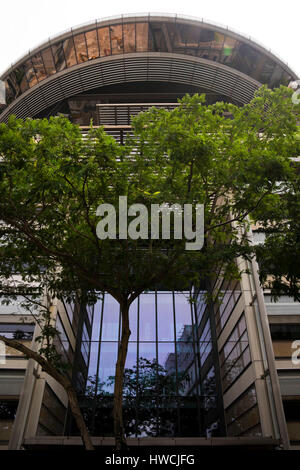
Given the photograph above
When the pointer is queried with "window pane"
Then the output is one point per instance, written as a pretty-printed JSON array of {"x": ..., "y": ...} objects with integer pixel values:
[
  {"x": 48, "y": 61},
  {"x": 142, "y": 37},
  {"x": 30, "y": 73},
  {"x": 129, "y": 37},
  {"x": 80, "y": 46},
  {"x": 108, "y": 359},
  {"x": 183, "y": 317},
  {"x": 110, "y": 325},
  {"x": 131, "y": 358},
  {"x": 116, "y": 37},
  {"x": 93, "y": 362},
  {"x": 59, "y": 57},
  {"x": 39, "y": 68},
  {"x": 165, "y": 317},
  {"x": 147, "y": 352},
  {"x": 92, "y": 44},
  {"x": 69, "y": 51},
  {"x": 96, "y": 321},
  {"x": 147, "y": 318},
  {"x": 104, "y": 41},
  {"x": 133, "y": 320},
  {"x": 167, "y": 367}
]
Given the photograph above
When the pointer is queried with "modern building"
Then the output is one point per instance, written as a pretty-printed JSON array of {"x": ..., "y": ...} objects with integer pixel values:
[{"x": 196, "y": 373}]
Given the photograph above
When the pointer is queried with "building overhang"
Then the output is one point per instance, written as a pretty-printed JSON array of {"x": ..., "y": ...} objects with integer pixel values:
[{"x": 137, "y": 67}]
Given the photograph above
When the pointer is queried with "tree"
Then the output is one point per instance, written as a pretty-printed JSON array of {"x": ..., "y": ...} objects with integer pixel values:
[{"x": 234, "y": 160}]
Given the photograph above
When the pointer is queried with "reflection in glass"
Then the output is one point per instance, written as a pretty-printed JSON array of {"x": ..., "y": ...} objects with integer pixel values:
[
  {"x": 147, "y": 351},
  {"x": 48, "y": 61},
  {"x": 133, "y": 313},
  {"x": 30, "y": 73},
  {"x": 80, "y": 47},
  {"x": 116, "y": 37},
  {"x": 104, "y": 41},
  {"x": 69, "y": 50},
  {"x": 131, "y": 358},
  {"x": 147, "y": 329},
  {"x": 183, "y": 317},
  {"x": 108, "y": 358},
  {"x": 110, "y": 326},
  {"x": 97, "y": 320},
  {"x": 129, "y": 37},
  {"x": 142, "y": 37},
  {"x": 92, "y": 44},
  {"x": 167, "y": 359},
  {"x": 59, "y": 56},
  {"x": 39, "y": 68},
  {"x": 165, "y": 317}
]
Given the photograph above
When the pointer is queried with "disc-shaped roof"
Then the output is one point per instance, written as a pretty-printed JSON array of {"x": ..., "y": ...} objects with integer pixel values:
[{"x": 137, "y": 49}]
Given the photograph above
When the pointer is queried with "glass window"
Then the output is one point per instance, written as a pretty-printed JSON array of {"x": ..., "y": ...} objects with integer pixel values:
[
  {"x": 165, "y": 317},
  {"x": 116, "y": 36},
  {"x": 142, "y": 37},
  {"x": 48, "y": 61},
  {"x": 129, "y": 37},
  {"x": 131, "y": 359},
  {"x": 97, "y": 320},
  {"x": 38, "y": 64},
  {"x": 166, "y": 357},
  {"x": 17, "y": 331},
  {"x": 59, "y": 56},
  {"x": 30, "y": 73},
  {"x": 133, "y": 313},
  {"x": 108, "y": 358},
  {"x": 92, "y": 372},
  {"x": 80, "y": 46},
  {"x": 205, "y": 342},
  {"x": 147, "y": 352},
  {"x": 167, "y": 367},
  {"x": 69, "y": 51},
  {"x": 147, "y": 323},
  {"x": 183, "y": 317},
  {"x": 92, "y": 44},
  {"x": 104, "y": 41},
  {"x": 111, "y": 316}
]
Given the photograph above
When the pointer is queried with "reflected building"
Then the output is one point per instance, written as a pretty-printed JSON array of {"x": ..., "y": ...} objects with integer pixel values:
[{"x": 195, "y": 369}]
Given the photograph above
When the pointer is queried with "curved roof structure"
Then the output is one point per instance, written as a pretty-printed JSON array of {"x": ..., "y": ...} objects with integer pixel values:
[{"x": 140, "y": 49}]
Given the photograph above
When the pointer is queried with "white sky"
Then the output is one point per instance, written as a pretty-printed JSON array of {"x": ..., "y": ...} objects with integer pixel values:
[{"x": 26, "y": 23}]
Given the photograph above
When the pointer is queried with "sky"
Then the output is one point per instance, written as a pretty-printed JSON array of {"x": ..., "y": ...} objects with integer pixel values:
[{"x": 26, "y": 24}]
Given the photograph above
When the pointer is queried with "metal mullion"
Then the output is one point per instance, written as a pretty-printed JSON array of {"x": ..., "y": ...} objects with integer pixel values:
[
  {"x": 156, "y": 345},
  {"x": 197, "y": 358},
  {"x": 99, "y": 52},
  {"x": 74, "y": 46},
  {"x": 111, "y": 51},
  {"x": 137, "y": 400},
  {"x": 176, "y": 364},
  {"x": 98, "y": 364},
  {"x": 86, "y": 46}
]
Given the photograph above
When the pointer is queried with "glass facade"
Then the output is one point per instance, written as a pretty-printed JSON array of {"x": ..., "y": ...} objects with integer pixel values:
[
  {"x": 145, "y": 36},
  {"x": 163, "y": 391}
]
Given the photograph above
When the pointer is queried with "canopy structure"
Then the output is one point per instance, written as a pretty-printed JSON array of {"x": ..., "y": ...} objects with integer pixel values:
[{"x": 140, "y": 49}]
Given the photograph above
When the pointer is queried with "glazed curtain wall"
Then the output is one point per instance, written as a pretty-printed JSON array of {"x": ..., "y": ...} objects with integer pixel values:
[
  {"x": 152, "y": 36},
  {"x": 163, "y": 395}
]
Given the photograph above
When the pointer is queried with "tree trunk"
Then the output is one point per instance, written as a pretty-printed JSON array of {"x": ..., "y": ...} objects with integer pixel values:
[
  {"x": 119, "y": 379},
  {"x": 77, "y": 415},
  {"x": 64, "y": 382}
]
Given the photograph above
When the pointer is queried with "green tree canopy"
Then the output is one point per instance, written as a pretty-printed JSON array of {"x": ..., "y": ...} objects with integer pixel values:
[{"x": 234, "y": 160}]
